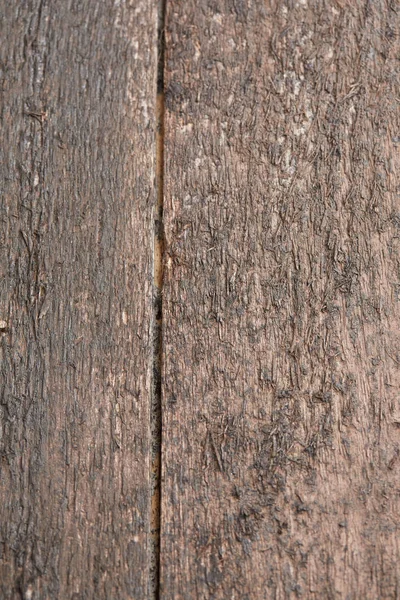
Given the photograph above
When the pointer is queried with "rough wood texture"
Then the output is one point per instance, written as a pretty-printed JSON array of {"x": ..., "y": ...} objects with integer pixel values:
[
  {"x": 78, "y": 84},
  {"x": 281, "y": 413}
]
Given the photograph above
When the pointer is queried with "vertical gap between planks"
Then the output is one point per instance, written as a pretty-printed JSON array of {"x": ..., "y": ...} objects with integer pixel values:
[{"x": 156, "y": 413}]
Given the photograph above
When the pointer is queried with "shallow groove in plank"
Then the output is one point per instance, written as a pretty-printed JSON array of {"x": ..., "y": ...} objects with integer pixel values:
[{"x": 158, "y": 267}]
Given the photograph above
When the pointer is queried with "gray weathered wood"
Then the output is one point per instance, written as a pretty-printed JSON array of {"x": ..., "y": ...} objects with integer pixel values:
[
  {"x": 78, "y": 83},
  {"x": 281, "y": 449}
]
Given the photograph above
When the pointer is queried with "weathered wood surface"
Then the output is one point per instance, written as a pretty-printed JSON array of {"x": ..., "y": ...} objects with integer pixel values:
[
  {"x": 78, "y": 83},
  {"x": 281, "y": 407}
]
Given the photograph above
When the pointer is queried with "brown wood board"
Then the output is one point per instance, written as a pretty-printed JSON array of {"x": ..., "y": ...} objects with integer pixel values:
[
  {"x": 275, "y": 317},
  {"x": 281, "y": 416},
  {"x": 77, "y": 172}
]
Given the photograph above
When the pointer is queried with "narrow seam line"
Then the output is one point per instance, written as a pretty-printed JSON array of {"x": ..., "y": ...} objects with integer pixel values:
[{"x": 158, "y": 276}]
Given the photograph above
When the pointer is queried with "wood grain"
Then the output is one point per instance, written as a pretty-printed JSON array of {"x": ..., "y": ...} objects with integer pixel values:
[
  {"x": 281, "y": 359},
  {"x": 78, "y": 82}
]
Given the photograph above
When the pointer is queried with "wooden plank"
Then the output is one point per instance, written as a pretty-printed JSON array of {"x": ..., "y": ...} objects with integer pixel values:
[
  {"x": 281, "y": 300},
  {"x": 77, "y": 182}
]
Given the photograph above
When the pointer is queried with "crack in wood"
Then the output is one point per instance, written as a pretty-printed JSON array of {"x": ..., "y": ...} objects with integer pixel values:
[{"x": 158, "y": 249}]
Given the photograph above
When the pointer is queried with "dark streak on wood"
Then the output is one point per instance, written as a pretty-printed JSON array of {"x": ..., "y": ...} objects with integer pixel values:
[
  {"x": 77, "y": 172},
  {"x": 281, "y": 300},
  {"x": 156, "y": 412}
]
